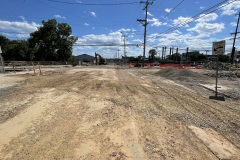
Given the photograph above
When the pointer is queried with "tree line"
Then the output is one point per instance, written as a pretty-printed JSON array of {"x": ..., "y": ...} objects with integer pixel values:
[
  {"x": 194, "y": 56},
  {"x": 52, "y": 41}
]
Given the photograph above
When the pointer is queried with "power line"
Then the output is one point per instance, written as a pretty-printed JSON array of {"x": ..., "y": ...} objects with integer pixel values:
[
  {"x": 169, "y": 12},
  {"x": 94, "y": 4},
  {"x": 108, "y": 45},
  {"x": 173, "y": 9},
  {"x": 198, "y": 16},
  {"x": 144, "y": 22}
]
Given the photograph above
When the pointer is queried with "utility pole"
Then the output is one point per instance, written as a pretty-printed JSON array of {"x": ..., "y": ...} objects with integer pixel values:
[
  {"x": 186, "y": 57},
  {"x": 162, "y": 52},
  {"x": 165, "y": 51},
  {"x": 206, "y": 51},
  {"x": 176, "y": 54},
  {"x": 234, "y": 40},
  {"x": 144, "y": 23},
  {"x": 118, "y": 55},
  {"x": 170, "y": 52},
  {"x": 124, "y": 47}
]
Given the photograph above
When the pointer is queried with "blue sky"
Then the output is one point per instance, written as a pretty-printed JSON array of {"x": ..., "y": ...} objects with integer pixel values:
[{"x": 99, "y": 24}]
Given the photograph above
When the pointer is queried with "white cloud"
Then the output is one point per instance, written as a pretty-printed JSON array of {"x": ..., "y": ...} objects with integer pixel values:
[
  {"x": 149, "y": 14},
  {"x": 208, "y": 17},
  {"x": 234, "y": 24},
  {"x": 93, "y": 14},
  {"x": 102, "y": 39},
  {"x": 19, "y": 27},
  {"x": 23, "y": 18},
  {"x": 126, "y": 30},
  {"x": 86, "y": 24},
  {"x": 156, "y": 22},
  {"x": 201, "y": 7},
  {"x": 231, "y": 8},
  {"x": 183, "y": 41},
  {"x": 168, "y": 10},
  {"x": 182, "y": 20},
  {"x": 206, "y": 29},
  {"x": 138, "y": 40},
  {"x": 59, "y": 16},
  {"x": 113, "y": 38}
]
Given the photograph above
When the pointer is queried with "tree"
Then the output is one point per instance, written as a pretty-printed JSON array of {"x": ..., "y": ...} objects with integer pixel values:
[
  {"x": 3, "y": 42},
  {"x": 223, "y": 58},
  {"x": 52, "y": 41},
  {"x": 15, "y": 49},
  {"x": 152, "y": 54},
  {"x": 194, "y": 56},
  {"x": 176, "y": 57}
]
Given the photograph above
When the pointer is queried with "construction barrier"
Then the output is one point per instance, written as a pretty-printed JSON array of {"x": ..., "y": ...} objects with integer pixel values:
[
  {"x": 186, "y": 66},
  {"x": 180, "y": 66},
  {"x": 151, "y": 64}
]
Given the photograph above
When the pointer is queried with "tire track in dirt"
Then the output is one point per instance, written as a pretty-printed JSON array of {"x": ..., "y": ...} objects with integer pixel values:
[
  {"x": 211, "y": 116},
  {"x": 107, "y": 114},
  {"x": 144, "y": 100}
]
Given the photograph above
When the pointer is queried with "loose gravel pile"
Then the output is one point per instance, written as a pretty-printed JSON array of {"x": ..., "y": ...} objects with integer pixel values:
[
  {"x": 213, "y": 65},
  {"x": 226, "y": 74},
  {"x": 181, "y": 74}
]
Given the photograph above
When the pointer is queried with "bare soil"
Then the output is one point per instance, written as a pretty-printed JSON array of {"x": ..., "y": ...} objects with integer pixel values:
[{"x": 91, "y": 113}]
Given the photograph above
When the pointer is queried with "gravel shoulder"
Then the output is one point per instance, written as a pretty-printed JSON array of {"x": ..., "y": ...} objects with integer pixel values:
[{"x": 117, "y": 114}]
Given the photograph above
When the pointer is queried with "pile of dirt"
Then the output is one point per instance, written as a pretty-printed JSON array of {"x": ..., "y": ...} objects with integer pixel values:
[
  {"x": 213, "y": 65},
  {"x": 226, "y": 74},
  {"x": 181, "y": 74}
]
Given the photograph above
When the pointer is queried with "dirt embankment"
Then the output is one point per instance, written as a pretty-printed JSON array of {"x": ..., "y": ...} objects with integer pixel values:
[{"x": 117, "y": 114}]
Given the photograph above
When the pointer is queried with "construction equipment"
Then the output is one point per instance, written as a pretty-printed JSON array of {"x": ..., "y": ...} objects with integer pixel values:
[{"x": 100, "y": 60}]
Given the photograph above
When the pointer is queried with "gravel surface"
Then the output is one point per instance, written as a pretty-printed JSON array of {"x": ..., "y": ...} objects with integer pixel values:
[
  {"x": 107, "y": 113},
  {"x": 181, "y": 74}
]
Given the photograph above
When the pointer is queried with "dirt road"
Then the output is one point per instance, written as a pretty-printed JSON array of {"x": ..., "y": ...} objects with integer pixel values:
[{"x": 116, "y": 114}]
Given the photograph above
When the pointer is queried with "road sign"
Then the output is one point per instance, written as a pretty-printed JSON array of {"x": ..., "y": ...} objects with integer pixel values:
[{"x": 218, "y": 47}]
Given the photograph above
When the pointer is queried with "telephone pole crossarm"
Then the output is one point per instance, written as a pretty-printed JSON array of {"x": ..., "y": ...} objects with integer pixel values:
[{"x": 144, "y": 23}]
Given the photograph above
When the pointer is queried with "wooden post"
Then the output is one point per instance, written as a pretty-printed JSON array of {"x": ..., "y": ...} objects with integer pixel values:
[
  {"x": 33, "y": 68},
  {"x": 14, "y": 68},
  {"x": 39, "y": 68}
]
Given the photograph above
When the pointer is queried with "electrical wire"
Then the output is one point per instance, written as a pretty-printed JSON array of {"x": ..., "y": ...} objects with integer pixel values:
[
  {"x": 173, "y": 9},
  {"x": 168, "y": 13},
  {"x": 94, "y": 4},
  {"x": 198, "y": 16}
]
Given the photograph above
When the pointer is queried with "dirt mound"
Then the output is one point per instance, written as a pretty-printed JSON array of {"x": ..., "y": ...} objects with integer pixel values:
[
  {"x": 226, "y": 74},
  {"x": 181, "y": 74}
]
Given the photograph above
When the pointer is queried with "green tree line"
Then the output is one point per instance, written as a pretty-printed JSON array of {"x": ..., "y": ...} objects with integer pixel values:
[{"x": 52, "y": 41}]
